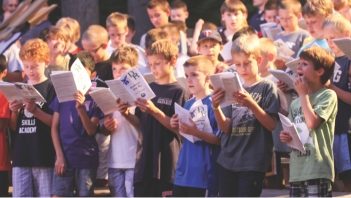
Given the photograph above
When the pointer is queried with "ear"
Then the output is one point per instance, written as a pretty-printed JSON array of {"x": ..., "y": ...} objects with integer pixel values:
[
  {"x": 173, "y": 61},
  {"x": 320, "y": 71},
  {"x": 3, "y": 73},
  {"x": 259, "y": 60}
]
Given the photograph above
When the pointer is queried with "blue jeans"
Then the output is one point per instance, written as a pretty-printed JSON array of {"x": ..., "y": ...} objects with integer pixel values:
[
  {"x": 120, "y": 182},
  {"x": 82, "y": 179},
  {"x": 32, "y": 181}
]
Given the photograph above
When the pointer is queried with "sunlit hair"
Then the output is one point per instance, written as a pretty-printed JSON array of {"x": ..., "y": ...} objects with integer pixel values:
[
  {"x": 164, "y": 47},
  {"x": 35, "y": 50},
  {"x": 71, "y": 26},
  {"x": 202, "y": 64}
]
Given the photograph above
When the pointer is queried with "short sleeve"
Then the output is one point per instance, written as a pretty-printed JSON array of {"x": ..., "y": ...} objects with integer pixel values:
[
  {"x": 54, "y": 105},
  {"x": 326, "y": 104}
]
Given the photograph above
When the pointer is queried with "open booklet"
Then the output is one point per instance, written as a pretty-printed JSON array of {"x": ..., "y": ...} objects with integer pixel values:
[
  {"x": 292, "y": 65},
  {"x": 228, "y": 81},
  {"x": 284, "y": 52},
  {"x": 185, "y": 117},
  {"x": 289, "y": 127},
  {"x": 20, "y": 91},
  {"x": 67, "y": 83},
  {"x": 270, "y": 30},
  {"x": 105, "y": 99},
  {"x": 283, "y": 76},
  {"x": 344, "y": 44},
  {"x": 131, "y": 86}
]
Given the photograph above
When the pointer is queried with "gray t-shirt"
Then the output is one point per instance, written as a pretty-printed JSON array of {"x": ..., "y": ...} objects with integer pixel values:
[
  {"x": 248, "y": 147},
  {"x": 294, "y": 40}
]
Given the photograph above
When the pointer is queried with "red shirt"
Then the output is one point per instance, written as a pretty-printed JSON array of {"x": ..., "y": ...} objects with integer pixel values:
[{"x": 4, "y": 153}]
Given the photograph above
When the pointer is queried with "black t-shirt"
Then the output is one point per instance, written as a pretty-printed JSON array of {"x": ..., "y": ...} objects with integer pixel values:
[
  {"x": 158, "y": 153},
  {"x": 103, "y": 72},
  {"x": 32, "y": 144}
]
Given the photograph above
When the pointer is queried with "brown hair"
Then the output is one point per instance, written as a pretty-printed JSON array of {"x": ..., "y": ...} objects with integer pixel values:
[
  {"x": 117, "y": 19},
  {"x": 177, "y": 4},
  {"x": 163, "y": 4},
  {"x": 202, "y": 63},
  {"x": 240, "y": 45},
  {"x": 164, "y": 47},
  {"x": 291, "y": 5},
  {"x": 153, "y": 35},
  {"x": 233, "y": 6},
  {"x": 318, "y": 7},
  {"x": 320, "y": 58},
  {"x": 125, "y": 54}
]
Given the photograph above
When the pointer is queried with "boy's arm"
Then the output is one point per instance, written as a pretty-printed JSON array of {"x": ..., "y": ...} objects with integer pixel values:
[
  {"x": 60, "y": 159},
  {"x": 311, "y": 117},
  {"x": 124, "y": 109},
  {"x": 38, "y": 113},
  {"x": 90, "y": 125},
  {"x": 222, "y": 121},
  {"x": 149, "y": 107},
  {"x": 14, "y": 106},
  {"x": 267, "y": 121},
  {"x": 194, "y": 131}
]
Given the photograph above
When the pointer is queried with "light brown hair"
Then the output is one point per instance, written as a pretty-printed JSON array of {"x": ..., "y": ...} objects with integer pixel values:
[{"x": 125, "y": 54}]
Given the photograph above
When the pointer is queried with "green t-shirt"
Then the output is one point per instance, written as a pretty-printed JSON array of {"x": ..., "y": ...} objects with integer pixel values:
[{"x": 317, "y": 162}]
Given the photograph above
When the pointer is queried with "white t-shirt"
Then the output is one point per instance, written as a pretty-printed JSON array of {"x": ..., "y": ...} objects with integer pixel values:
[{"x": 123, "y": 144}]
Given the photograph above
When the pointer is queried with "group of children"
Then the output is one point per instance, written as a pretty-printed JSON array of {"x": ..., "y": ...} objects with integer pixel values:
[{"x": 60, "y": 149}]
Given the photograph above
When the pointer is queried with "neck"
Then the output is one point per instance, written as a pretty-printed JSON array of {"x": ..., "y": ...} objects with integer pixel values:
[
  {"x": 314, "y": 87},
  {"x": 103, "y": 58},
  {"x": 251, "y": 81},
  {"x": 37, "y": 81},
  {"x": 264, "y": 73},
  {"x": 292, "y": 29},
  {"x": 229, "y": 32},
  {"x": 203, "y": 93},
  {"x": 166, "y": 80}
]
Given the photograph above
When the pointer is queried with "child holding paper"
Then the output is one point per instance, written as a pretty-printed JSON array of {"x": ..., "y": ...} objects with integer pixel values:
[
  {"x": 196, "y": 164},
  {"x": 74, "y": 126},
  {"x": 246, "y": 143},
  {"x": 313, "y": 113},
  {"x": 5, "y": 114},
  {"x": 33, "y": 153},
  {"x": 336, "y": 27},
  {"x": 157, "y": 156},
  {"x": 123, "y": 134}
]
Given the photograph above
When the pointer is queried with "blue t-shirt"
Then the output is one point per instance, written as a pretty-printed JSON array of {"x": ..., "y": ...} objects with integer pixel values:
[
  {"x": 80, "y": 149},
  {"x": 195, "y": 167}
]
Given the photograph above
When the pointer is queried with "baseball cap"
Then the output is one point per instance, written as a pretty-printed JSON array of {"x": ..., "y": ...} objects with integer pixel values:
[{"x": 210, "y": 34}]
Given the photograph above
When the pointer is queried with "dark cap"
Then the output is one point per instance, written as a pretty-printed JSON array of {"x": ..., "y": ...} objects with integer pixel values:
[{"x": 210, "y": 34}]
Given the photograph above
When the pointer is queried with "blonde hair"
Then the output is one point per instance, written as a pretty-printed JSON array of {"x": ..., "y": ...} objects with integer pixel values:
[
  {"x": 248, "y": 44},
  {"x": 154, "y": 35},
  {"x": 233, "y": 6},
  {"x": 318, "y": 7},
  {"x": 71, "y": 26},
  {"x": 164, "y": 47},
  {"x": 202, "y": 64},
  {"x": 125, "y": 54},
  {"x": 291, "y": 5},
  {"x": 117, "y": 19},
  {"x": 35, "y": 50},
  {"x": 339, "y": 23},
  {"x": 96, "y": 34},
  {"x": 267, "y": 47},
  {"x": 56, "y": 33}
]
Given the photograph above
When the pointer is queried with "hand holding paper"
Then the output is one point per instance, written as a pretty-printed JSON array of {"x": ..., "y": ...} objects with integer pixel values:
[{"x": 290, "y": 128}]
